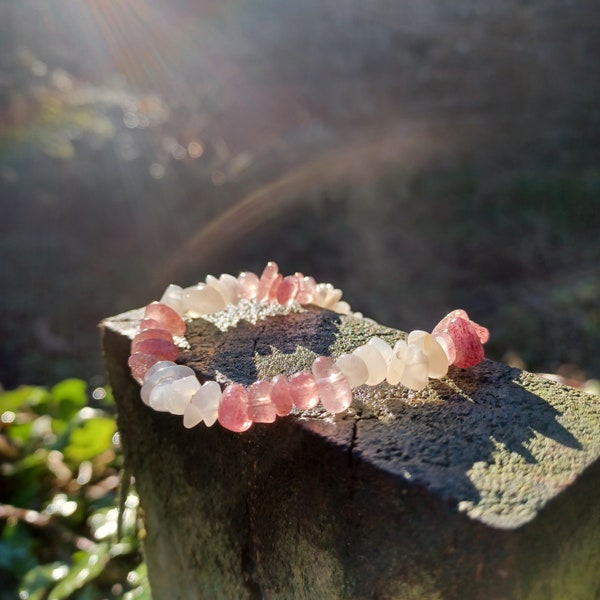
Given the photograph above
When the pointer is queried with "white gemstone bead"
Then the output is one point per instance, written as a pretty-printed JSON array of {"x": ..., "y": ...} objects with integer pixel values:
[
  {"x": 397, "y": 362},
  {"x": 416, "y": 366},
  {"x": 343, "y": 308},
  {"x": 182, "y": 391},
  {"x": 354, "y": 368},
  {"x": 173, "y": 297},
  {"x": 438, "y": 360},
  {"x": 375, "y": 363},
  {"x": 192, "y": 416},
  {"x": 202, "y": 299},
  {"x": 229, "y": 286},
  {"x": 159, "y": 396},
  {"x": 206, "y": 401},
  {"x": 169, "y": 372},
  {"x": 161, "y": 364},
  {"x": 382, "y": 346}
]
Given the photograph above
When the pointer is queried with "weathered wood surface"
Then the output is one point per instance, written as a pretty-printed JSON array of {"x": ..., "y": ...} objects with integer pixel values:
[{"x": 482, "y": 486}]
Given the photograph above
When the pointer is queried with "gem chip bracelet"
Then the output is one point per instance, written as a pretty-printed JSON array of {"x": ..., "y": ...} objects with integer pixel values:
[{"x": 170, "y": 387}]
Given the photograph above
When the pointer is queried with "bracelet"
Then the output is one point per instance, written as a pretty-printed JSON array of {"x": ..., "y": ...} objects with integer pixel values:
[{"x": 167, "y": 386}]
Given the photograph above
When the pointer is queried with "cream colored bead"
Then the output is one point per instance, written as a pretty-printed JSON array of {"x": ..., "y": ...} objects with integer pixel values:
[
  {"x": 375, "y": 363},
  {"x": 354, "y": 368},
  {"x": 416, "y": 366},
  {"x": 202, "y": 299},
  {"x": 438, "y": 360}
]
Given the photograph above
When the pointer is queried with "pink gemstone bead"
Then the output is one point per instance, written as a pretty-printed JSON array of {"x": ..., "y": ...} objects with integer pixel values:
[
  {"x": 281, "y": 396},
  {"x": 162, "y": 349},
  {"x": 149, "y": 324},
  {"x": 153, "y": 334},
  {"x": 304, "y": 391},
  {"x": 166, "y": 316},
  {"x": 139, "y": 363},
  {"x": 274, "y": 288},
  {"x": 483, "y": 333},
  {"x": 266, "y": 281},
  {"x": 247, "y": 285},
  {"x": 261, "y": 407},
  {"x": 467, "y": 344},
  {"x": 233, "y": 408},
  {"x": 288, "y": 290},
  {"x": 306, "y": 290},
  {"x": 333, "y": 386}
]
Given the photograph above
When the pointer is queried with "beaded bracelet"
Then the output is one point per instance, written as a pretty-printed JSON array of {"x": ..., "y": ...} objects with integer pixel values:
[{"x": 168, "y": 386}]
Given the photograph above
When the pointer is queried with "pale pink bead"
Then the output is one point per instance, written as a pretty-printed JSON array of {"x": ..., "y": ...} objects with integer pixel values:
[
  {"x": 149, "y": 324},
  {"x": 288, "y": 290},
  {"x": 153, "y": 334},
  {"x": 247, "y": 285},
  {"x": 139, "y": 363},
  {"x": 274, "y": 288},
  {"x": 281, "y": 396},
  {"x": 166, "y": 316},
  {"x": 333, "y": 386},
  {"x": 354, "y": 368},
  {"x": 445, "y": 341},
  {"x": 261, "y": 408},
  {"x": 266, "y": 281},
  {"x": 233, "y": 408},
  {"x": 162, "y": 349},
  {"x": 306, "y": 290},
  {"x": 304, "y": 391}
]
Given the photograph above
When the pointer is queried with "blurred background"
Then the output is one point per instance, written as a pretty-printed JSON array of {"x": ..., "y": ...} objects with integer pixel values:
[{"x": 422, "y": 156}]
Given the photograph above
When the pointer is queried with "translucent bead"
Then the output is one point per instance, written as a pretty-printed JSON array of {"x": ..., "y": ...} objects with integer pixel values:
[
  {"x": 288, "y": 290},
  {"x": 445, "y": 341},
  {"x": 182, "y": 391},
  {"x": 202, "y": 299},
  {"x": 382, "y": 346},
  {"x": 247, "y": 285},
  {"x": 334, "y": 389},
  {"x": 438, "y": 361},
  {"x": 281, "y": 396},
  {"x": 415, "y": 371},
  {"x": 153, "y": 334},
  {"x": 170, "y": 372},
  {"x": 204, "y": 405},
  {"x": 266, "y": 280},
  {"x": 465, "y": 338},
  {"x": 354, "y": 368},
  {"x": 159, "y": 397},
  {"x": 166, "y": 317},
  {"x": 261, "y": 408},
  {"x": 233, "y": 409},
  {"x": 149, "y": 324},
  {"x": 397, "y": 362},
  {"x": 173, "y": 298},
  {"x": 275, "y": 288},
  {"x": 375, "y": 363},
  {"x": 229, "y": 286},
  {"x": 139, "y": 363},
  {"x": 306, "y": 289},
  {"x": 303, "y": 389},
  {"x": 343, "y": 308},
  {"x": 161, "y": 364},
  {"x": 162, "y": 349},
  {"x": 326, "y": 296}
]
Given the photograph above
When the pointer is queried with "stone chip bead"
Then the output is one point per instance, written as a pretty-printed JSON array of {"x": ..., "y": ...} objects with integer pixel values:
[
  {"x": 438, "y": 361},
  {"x": 466, "y": 337},
  {"x": 233, "y": 409},
  {"x": 281, "y": 396},
  {"x": 304, "y": 391},
  {"x": 166, "y": 317},
  {"x": 416, "y": 366},
  {"x": 247, "y": 285},
  {"x": 287, "y": 290},
  {"x": 375, "y": 362},
  {"x": 260, "y": 406},
  {"x": 203, "y": 406},
  {"x": 161, "y": 348},
  {"x": 354, "y": 368},
  {"x": 203, "y": 299},
  {"x": 334, "y": 389},
  {"x": 182, "y": 391},
  {"x": 267, "y": 278},
  {"x": 173, "y": 298}
]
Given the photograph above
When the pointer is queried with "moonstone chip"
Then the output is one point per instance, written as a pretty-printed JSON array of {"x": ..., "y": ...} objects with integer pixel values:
[
  {"x": 139, "y": 363},
  {"x": 326, "y": 296},
  {"x": 233, "y": 409},
  {"x": 382, "y": 346},
  {"x": 354, "y": 368},
  {"x": 307, "y": 287},
  {"x": 202, "y": 299},
  {"x": 304, "y": 391},
  {"x": 247, "y": 285},
  {"x": 204, "y": 404},
  {"x": 445, "y": 341},
  {"x": 162, "y": 349},
  {"x": 192, "y": 416},
  {"x": 159, "y": 397},
  {"x": 281, "y": 396},
  {"x": 416, "y": 367},
  {"x": 173, "y": 297},
  {"x": 170, "y": 372},
  {"x": 333, "y": 386},
  {"x": 161, "y": 364},
  {"x": 287, "y": 290},
  {"x": 166, "y": 317},
  {"x": 467, "y": 344},
  {"x": 438, "y": 361},
  {"x": 375, "y": 363},
  {"x": 261, "y": 408},
  {"x": 268, "y": 277},
  {"x": 182, "y": 392},
  {"x": 343, "y": 308},
  {"x": 229, "y": 285},
  {"x": 149, "y": 324},
  {"x": 397, "y": 362}
]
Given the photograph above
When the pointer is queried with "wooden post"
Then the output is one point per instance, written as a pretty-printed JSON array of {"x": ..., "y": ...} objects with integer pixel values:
[{"x": 482, "y": 486}]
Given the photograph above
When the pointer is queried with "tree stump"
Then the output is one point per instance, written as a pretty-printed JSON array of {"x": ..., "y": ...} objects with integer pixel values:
[{"x": 481, "y": 486}]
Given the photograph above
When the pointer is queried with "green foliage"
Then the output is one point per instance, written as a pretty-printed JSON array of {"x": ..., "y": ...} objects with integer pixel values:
[{"x": 60, "y": 515}]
